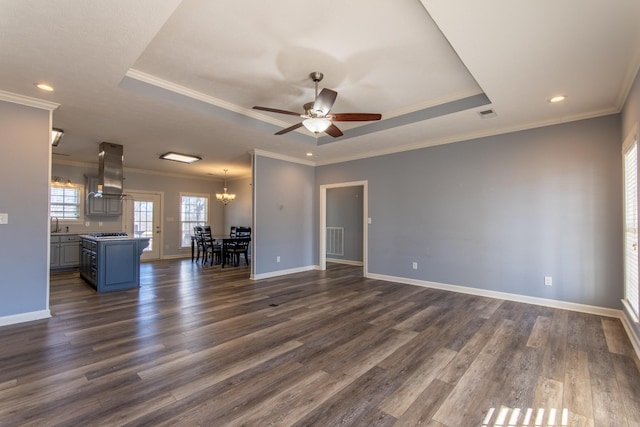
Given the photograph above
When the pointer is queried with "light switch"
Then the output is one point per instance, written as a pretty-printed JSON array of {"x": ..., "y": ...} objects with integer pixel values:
[
  {"x": 4, "y": 218},
  {"x": 368, "y": 220}
]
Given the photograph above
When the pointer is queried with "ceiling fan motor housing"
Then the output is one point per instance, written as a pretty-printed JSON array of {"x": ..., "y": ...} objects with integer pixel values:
[{"x": 316, "y": 76}]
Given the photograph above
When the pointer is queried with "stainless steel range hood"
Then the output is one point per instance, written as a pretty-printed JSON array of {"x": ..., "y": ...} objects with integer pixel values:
[{"x": 110, "y": 174}]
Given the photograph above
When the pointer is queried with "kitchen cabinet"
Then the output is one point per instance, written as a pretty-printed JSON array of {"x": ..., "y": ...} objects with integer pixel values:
[
  {"x": 100, "y": 206},
  {"x": 64, "y": 251},
  {"x": 112, "y": 264}
]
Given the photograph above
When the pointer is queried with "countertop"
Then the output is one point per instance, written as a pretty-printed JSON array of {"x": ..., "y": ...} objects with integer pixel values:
[{"x": 110, "y": 238}]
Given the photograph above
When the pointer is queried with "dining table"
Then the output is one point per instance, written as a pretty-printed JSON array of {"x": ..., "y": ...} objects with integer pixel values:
[{"x": 224, "y": 240}]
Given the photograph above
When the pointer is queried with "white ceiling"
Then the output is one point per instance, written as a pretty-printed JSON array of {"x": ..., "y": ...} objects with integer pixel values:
[{"x": 171, "y": 75}]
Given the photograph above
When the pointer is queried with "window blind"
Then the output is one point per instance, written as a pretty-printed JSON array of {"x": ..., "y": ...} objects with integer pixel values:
[{"x": 631, "y": 226}]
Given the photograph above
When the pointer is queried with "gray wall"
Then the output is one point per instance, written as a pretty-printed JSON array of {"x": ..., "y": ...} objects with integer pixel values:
[
  {"x": 630, "y": 119},
  {"x": 284, "y": 215},
  {"x": 344, "y": 209},
  {"x": 170, "y": 186},
  {"x": 24, "y": 183},
  {"x": 239, "y": 212},
  {"x": 502, "y": 212}
]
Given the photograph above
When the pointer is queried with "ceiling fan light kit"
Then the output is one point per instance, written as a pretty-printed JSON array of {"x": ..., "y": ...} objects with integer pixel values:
[
  {"x": 316, "y": 124},
  {"x": 316, "y": 114}
]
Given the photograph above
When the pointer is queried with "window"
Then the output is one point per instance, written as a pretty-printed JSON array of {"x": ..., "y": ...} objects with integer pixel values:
[
  {"x": 631, "y": 225},
  {"x": 66, "y": 202},
  {"x": 194, "y": 210},
  {"x": 143, "y": 221}
]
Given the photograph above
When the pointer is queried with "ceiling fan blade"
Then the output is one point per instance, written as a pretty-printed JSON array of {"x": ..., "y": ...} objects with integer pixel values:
[
  {"x": 354, "y": 117},
  {"x": 275, "y": 110},
  {"x": 334, "y": 131},
  {"x": 289, "y": 129},
  {"x": 325, "y": 100}
]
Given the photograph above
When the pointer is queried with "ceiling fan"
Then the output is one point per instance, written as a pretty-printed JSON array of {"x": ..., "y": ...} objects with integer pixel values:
[{"x": 316, "y": 114}]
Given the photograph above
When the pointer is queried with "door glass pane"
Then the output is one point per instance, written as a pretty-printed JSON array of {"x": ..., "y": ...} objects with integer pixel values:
[
  {"x": 143, "y": 221},
  {"x": 631, "y": 226}
]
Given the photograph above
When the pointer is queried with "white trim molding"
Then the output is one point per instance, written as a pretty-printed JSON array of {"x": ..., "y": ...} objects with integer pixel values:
[
  {"x": 563, "y": 305},
  {"x": 631, "y": 325},
  {"x": 345, "y": 261},
  {"x": 322, "y": 232},
  {"x": 25, "y": 317},
  {"x": 277, "y": 273},
  {"x": 28, "y": 101},
  {"x": 283, "y": 157}
]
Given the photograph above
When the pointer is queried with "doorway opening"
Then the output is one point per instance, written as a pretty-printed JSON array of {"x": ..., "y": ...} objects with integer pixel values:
[{"x": 335, "y": 237}]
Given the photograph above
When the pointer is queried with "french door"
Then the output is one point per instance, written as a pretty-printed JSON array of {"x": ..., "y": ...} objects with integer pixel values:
[
  {"x": 142, "y": 219},
  {"x": 631, "y": 224}
]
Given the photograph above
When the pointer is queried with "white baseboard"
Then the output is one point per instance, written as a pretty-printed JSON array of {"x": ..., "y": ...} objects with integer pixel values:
[
  {"x": 176, "y": 256},
  {"x": 345, "y": 261},
  {"x": 583, "y": 308},
  {"x": 277, "y": 273},
  {"x": 627, "y": 318},
  {"x": 25, "y": 317}
]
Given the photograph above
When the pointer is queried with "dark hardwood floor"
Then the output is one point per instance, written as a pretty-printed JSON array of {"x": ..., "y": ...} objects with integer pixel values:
[{"x": 203, "y": 346}]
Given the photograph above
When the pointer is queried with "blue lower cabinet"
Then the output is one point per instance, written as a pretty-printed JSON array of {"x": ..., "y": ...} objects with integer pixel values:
[{"x": 112, "y": 265}]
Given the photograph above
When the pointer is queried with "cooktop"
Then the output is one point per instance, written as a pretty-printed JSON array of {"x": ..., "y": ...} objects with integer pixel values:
[{"x": 109, "y": 234}]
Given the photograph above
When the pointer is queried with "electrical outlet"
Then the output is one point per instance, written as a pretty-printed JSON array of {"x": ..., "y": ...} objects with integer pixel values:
[
  {"x": 278, "y": 258},
  {"x": 4, "y": 218},
  {"x": 414, "y": 265},
  {"x": 548, "y": 281}
]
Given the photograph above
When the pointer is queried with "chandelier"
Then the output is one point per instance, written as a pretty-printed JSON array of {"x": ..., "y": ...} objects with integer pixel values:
[{"x": 225, "y": 197}]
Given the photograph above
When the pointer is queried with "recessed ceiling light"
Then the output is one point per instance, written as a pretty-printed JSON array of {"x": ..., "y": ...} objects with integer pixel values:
[
  {"x": 557, "y": 98},
  {"x": 44, "y": 86},
  {"x": 309, "y": 154},
  {"x": 177, "y": 157}
]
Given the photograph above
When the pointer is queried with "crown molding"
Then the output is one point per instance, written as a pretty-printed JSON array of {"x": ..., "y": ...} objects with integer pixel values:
[
  {"x": 290, "y": 159},
  {"x": 28, "y": 101},
  {"x": 469, "y": 136},
  {"x": 194, "y": 94}
]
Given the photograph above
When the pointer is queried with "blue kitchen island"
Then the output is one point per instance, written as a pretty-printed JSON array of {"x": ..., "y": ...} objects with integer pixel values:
[{"x": 111, "y": 261}]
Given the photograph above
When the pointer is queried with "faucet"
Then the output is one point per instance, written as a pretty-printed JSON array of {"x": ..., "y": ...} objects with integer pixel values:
[{"x": 57, "y": 224}]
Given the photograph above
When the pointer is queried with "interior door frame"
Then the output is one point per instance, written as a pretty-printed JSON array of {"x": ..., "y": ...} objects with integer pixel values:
[
  {"x": 159, "y": 238},
  {"x": 365, "y": 224}
]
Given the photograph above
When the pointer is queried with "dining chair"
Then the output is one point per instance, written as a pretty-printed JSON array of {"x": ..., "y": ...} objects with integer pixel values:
[
  {"x": 198, "y": 231},
  {"x": 211, "y": 247},
  {"x": 243, "y": 231},
  {"x": 237, "y": 247}
]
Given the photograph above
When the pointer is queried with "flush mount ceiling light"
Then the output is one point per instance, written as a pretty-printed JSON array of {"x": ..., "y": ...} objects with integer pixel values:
[
  {"x": 45, "y": 87},
  {"x": 557, "y": 98},
  {"x": 177, "y": 157},
  {"x": 56, "y": 136},
  {"x": 225, "y": 197}
]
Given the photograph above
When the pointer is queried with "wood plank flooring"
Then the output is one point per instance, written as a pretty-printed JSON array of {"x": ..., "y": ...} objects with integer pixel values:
[{"x": 202, "y": 346}]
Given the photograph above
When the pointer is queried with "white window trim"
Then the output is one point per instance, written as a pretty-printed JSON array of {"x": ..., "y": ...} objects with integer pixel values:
[
  {"x": 80, "y": 188},
  {"x": 207, "y": 219},
  {"x": 630, "y": 139}
]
